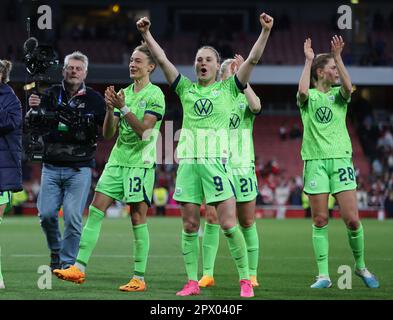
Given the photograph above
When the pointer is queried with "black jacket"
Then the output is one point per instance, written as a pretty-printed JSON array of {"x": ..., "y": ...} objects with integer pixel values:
[
  {"x": 62, "y": 148},
  {"x": 10, "y": 140}
]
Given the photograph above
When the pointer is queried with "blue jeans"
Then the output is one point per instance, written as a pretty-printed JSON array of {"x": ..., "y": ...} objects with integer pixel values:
[{"x": 67, "y": 187}]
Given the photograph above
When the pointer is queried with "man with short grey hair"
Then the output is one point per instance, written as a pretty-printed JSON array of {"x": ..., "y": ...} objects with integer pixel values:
[
  {"x": 68, "y": 160},
  {"x": 77, "y": 55}
]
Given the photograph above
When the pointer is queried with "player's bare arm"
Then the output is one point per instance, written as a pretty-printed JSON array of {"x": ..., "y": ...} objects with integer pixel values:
[
  {"x": 254, "y": 103},
  {"x": 304, "y": 83},
  {"x": 337, "y": 46},
  {"x": 256, "y": 52},
  {"x": 170, "y": 71}
]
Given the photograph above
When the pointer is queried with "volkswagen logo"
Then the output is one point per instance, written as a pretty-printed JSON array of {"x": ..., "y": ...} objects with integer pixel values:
[
  {"x": 234, "y": 122},
  {"x": 324, "y": 115},
  {"x": 203, "y": 107}
]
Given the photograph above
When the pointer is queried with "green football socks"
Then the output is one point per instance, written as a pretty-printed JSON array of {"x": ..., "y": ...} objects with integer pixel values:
[
  {"x": 252, "y": 242},
  {"x": 141, "y": 249},
  {"x": 238, "y": 250},
  {"x": 190, "y": 249},
  {"x": 210, "y": 242},
  {"x": 90, "y": 235},
  {"x": 356, "y": 242},
  {"x": 320, "y": 242}
]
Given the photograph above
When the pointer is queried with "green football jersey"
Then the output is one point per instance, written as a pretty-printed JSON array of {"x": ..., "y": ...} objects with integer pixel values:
[
  {"x": 325, "y": 133},
  {"x": 206, "y": 114},
  {"x": 241, "y": 126},
  {"x": 130, "y": 150}
]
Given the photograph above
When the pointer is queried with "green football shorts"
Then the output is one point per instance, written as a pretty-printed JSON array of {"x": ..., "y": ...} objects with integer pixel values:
[
  {"x": 131, "y": 185},
  {"x": 198, "y": 179},
  {"x": 245, "y": 182},
  {"x": 5, "y": 197},
  {"x": 329, "y": 176}
]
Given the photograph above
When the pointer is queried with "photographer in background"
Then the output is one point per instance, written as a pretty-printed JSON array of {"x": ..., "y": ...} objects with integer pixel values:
[
  {"x": 68, "y": 162},
  {"x": 10, "y": 143}
]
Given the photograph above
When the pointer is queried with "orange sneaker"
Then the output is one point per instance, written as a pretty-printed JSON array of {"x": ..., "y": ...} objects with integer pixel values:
[
  {"x": 134, "y": 285},
  {"x": 206, "y": 281},
  {"x": 254, "y": 281},
  {"x": 72, "y": 274}
]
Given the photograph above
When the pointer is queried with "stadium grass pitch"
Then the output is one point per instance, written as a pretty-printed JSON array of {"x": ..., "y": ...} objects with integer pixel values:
[{"x": 286, "y": 270}]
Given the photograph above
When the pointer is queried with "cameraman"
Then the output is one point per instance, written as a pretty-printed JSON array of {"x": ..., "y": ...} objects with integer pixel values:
[
  {"x": 68, "y": 162},
  {"x": 10, "y": 143}
]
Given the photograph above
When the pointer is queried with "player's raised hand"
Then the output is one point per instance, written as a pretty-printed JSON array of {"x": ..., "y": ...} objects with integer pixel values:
[
  {"x": 122, "y": 97},
  {"x": 239, "y": 60},
  {"x": 108, "y": 100},
  {"x": 236, "y": 63},
  {"x": 308, "y": 51},
  {"x": 110, "y": 92},
  {"x": 266, "y": 21},
  {"x": 111, "y": 97},
  {"x": 117, "y": 99},
  {"x": 337, "y": 45},
  {"x": 143, "y": 25}
]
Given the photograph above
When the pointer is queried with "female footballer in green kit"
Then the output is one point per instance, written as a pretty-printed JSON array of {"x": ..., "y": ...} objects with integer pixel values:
[
  {"x": 129, "y": 174},
  {"x": 327, "y": 154},
  {"x": 245, "y": 108},
  {"x": 203, "y": 172}
]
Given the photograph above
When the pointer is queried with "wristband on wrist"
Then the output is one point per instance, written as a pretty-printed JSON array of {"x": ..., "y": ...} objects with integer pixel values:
[{"x": 124, "y": 110}]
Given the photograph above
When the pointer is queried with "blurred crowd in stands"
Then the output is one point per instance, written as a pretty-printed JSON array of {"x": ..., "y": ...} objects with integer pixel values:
[
  {"x": 375, "y": 133},
  {"x": 115, "y": 35},
  {"x": 379, "y": 30}
]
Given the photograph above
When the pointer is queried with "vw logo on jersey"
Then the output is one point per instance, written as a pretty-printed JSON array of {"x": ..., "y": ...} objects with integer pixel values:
[
  {"x": 203, "y": 107},
  {"x": 234, "y": 122},
  {"x": 142, "y": 104},
  {"x": 324, "y": 115},
  {"x": 242, "y": 106},
  {"x": 215, "y": 93}
]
